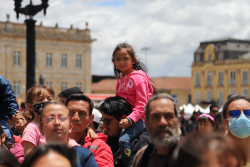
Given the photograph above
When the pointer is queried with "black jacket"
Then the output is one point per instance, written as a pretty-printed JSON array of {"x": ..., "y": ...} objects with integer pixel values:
[{"x": 139, "y": 141}]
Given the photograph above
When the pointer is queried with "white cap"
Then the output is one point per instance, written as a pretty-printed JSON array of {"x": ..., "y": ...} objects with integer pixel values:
[{"x": 97, "y": 115}]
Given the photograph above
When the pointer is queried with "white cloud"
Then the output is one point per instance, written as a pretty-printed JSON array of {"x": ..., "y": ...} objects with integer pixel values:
[{"x": 171, "y": 28}]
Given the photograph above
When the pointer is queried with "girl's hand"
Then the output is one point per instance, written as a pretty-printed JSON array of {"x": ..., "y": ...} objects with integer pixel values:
[
  {"x": 124, "y": 123},
  {"x": 90, "y": 133}
]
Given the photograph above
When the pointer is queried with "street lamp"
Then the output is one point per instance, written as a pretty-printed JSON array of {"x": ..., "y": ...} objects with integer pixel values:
[
  {"x": 145, "y": 49},
  {"x": 30, "y": 11}
]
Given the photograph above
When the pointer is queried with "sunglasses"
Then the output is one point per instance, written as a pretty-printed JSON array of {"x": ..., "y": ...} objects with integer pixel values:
[
  {"x": 52, "y": 119},
  {"x": 214, "y": 111},
  {"x": 237, "y": 113},
  {"x": 106, "y": 121}
]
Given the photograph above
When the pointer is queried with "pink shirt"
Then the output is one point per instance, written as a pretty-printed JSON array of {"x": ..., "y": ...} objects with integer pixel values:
[
  {"x": 136, "y": 88},
  {"x": 33, "y": 135}
]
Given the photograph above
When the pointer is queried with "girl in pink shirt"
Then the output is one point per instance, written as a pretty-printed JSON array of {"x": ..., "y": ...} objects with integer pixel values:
[
  {"x": 37, "y": 96},
  {"x": 134, "y": 86}
]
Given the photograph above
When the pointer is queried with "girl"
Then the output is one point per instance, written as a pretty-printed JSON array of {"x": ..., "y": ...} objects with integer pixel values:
[
  {"x": 134, "y": 86},
  {"x": 206, "y": 123},
  {"x": 37, "y": 96}
]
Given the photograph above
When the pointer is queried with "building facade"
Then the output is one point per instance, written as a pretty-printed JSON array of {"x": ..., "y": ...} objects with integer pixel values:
[
  {"x": 63, "y": 57},
  {"x": 220, "y": 68}
]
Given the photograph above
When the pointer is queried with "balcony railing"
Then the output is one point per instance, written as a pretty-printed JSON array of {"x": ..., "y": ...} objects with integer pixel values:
[{"x": 217, "y": 62}]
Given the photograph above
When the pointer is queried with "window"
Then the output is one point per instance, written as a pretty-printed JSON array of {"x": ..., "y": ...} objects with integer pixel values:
[
  {"x": 197, "y": 57},
  {"x": 79, "y": 85},
  {"x": 220, "y": 98},
  {"x": 198, "y": 97},
  {"x": 220, "y": 78},
  {"x": 17, "y": 88},
  {"x": 64, "y": 86},
  {"x": 232, "y": 91},
  {"x": 245, "y": 77},
  {"x": 64, "y": 60},
  {"x": 197, "y": 79},
  {"x": 16, "y": 58},
  {"x": 209, "y": 78},
  {"x": 220, "y": 56},
  {"x": 245, "y": 92},
  {"x": 78, "y": 61},
  {"x": 49, "y": 84},
  {"x": 49, "y": 60},
  {"x": 232, "y": 78},
  {"x": 209, "y": 57},
  {"x": 209, "y": 96}
]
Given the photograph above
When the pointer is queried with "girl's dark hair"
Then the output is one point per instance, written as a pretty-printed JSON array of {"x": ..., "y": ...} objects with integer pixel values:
[
  {"x": 7, "y": 158},
  {"x": 7, "y": 144},
  {"x": 41, "y": 150},
  {"x": 231, "y": 99},
  {"x": 36, "y": 91},
  {"x": 193, "y": 150},
  {"x": 136, "y": 66},
  {"x": 205, "y": 119}
]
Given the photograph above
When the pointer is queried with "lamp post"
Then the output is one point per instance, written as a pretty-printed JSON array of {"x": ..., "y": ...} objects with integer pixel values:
[
  {"x": 29, "y": 11},
  {"x": 145, "y": 49}
]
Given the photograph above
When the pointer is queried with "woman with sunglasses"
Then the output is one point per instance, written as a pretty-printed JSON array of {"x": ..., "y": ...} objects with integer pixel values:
[{"x": 236, "y": 118}]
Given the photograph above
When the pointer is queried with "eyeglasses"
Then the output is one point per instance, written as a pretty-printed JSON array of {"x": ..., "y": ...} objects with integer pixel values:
[
  {"x": 106, "y": 121},
  {"x": 237, "y": 113},
  {"x": 214, "y": 111},
  {"x": 50, "y": 119}
]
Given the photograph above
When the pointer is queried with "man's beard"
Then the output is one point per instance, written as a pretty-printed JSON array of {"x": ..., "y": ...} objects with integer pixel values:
[{"x": 164, "y": 140}]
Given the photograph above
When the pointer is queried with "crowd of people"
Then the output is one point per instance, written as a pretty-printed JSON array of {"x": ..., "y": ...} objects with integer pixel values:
[{"x": 135, "y": 128}]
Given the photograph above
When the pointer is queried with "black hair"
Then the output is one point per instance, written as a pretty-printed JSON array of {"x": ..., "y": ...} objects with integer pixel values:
[
  {"x": 23, "y": 105},
  {"x": 231, "y": 99},
  {"x": 115, "y": 106},
  {"x": 41, "y": 150},
  {"x": 213, "y": 105},
  {"x": 96, "y": 125},
  {"x": 138, "y": 65},
  {"x": 7, "y": 158},
  {"x": 79, "y": 97}
]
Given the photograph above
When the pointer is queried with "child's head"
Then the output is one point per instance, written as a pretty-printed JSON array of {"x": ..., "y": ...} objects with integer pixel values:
[
  {"x": 206, "y": 123},
  {"x": 126, "y": 53},
  {"x": 38, "y": 94}
]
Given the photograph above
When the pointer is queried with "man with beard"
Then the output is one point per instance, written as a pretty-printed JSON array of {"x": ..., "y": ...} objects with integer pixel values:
[
  {"x": 162, "y": 123},
  {"x": 113, "y": 110}
]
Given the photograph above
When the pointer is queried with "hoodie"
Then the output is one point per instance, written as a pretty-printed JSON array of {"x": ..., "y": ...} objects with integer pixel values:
[
  {"x": 136, "y": 88},
  {"x": 102, "y": 152}
]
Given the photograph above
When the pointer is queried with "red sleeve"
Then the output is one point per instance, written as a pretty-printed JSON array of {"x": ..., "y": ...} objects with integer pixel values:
[
  {"x": 104, "y": 156},
  {"x": 141, "y": 100}
]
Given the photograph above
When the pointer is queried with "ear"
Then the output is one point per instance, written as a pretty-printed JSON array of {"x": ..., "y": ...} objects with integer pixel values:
[
  {"x": 30, "y": 107},
  {"x": 41, "y": 129},
  {"x": 225, "y": 123},
  {"x": 214, "y": 126},
  {"x": 179, "y": 120},
  {"x": 135, "y": 59},
  {"x": 3, "y": 137},
  {"x": 70, "y": 127},
  {"x": 91, "y": 118}
]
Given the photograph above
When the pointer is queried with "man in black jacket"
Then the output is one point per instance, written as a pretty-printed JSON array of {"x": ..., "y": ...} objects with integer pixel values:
[{"x": 113, "y": 110}]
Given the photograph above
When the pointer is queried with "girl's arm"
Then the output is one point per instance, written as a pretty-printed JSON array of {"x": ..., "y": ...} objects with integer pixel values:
[
  {"x": 142, "y": 91},
  {"x": 27, "y": 148}
]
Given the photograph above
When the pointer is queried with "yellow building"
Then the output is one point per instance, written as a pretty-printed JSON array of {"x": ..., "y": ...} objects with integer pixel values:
[
  {"x": 220, "y": 68},
  {"x": 63, "y": 57}
]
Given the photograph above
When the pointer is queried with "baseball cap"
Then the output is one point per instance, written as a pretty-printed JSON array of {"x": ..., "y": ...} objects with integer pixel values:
[{"x": 97, "y": 115}]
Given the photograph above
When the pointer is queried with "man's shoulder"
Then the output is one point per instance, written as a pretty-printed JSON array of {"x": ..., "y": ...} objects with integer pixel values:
[
  {"x": 138, "y": 156},
  {"x": 82, "y": 150}
]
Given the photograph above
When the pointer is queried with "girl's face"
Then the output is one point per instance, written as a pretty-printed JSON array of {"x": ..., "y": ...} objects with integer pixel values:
[
  {"x": 123, "y": 61},
  {"x": 42, "y": 97},
  {"x": 205, "y": 126}
]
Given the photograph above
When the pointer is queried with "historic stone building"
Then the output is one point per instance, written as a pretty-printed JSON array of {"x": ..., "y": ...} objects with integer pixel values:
[
  {"x": 63, "y": 57},
  {"x": 220, "y": 68}
]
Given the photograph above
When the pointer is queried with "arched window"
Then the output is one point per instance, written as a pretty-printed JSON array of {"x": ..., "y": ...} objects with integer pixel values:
[{"x": 209, "y": 78}]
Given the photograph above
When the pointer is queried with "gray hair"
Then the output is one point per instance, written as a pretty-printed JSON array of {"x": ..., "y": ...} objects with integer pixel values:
[
  {"x": 231, "y": 99},
  {"x": 162, "y": 96}
]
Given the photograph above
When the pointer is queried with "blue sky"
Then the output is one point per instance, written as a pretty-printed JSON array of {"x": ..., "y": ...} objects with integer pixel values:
[{"x": 172, "y": 29}]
